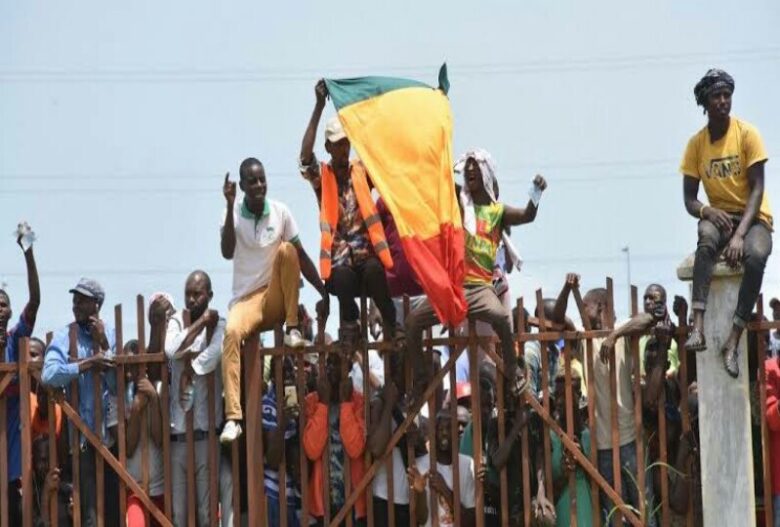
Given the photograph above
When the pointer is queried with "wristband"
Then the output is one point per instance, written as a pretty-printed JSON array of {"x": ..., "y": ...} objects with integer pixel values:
[
  {"x": 701, "y": 212},
  {"x": 535, "y": 194}
]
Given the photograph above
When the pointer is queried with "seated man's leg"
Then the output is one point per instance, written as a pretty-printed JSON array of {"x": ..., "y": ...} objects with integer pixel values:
[
  {"x": 756, "y": 250},
  {"x": 281, "y": 299},
  {"x": 421, "y": 317},
  {"x": 711, "y": 240},
  {"x": 243, "y": 318},
  {"x": 344, "y": 283},
  {"x": 375, "y": 282},
  {"x": 485, "y": 305}
]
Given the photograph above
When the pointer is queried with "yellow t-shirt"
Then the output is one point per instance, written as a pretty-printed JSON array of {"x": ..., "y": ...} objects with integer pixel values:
[{"x": 722, "y": 166}]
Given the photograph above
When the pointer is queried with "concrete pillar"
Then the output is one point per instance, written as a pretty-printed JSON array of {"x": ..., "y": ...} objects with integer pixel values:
[{"x": 724, "y": 409}]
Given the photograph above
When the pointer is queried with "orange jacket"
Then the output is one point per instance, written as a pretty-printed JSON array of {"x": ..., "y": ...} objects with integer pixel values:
[
  {"x": 352, "y": 429},
  {"x": 329, "y": 215}
]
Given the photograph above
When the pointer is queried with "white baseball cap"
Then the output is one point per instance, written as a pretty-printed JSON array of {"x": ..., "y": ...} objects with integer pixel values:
[{"x": 333, "y": 130}]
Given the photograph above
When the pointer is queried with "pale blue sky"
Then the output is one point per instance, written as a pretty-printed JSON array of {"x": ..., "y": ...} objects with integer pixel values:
[{"x": 118, "y": 122}]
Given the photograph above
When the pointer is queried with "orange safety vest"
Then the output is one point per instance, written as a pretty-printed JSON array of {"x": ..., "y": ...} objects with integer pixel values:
[{"x": 329, "y": 215}]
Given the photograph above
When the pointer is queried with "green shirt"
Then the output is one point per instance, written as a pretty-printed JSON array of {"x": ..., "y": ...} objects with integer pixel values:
[{"x": 582, "y": 488}]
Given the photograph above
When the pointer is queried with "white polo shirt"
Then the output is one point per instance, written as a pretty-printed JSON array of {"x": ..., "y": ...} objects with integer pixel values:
[{"x": 257, "y": 240}]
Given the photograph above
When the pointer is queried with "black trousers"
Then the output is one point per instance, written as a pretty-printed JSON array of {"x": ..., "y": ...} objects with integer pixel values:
[
  {"x": 347, "y": 282},
  {"x": 380, "y": 514}
]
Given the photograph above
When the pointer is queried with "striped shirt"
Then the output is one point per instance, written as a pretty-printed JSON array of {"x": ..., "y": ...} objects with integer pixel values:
[{"x": 272, "y": 476}]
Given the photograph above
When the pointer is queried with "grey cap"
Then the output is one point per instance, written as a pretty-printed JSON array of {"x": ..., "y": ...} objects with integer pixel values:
[{"x": 91, "y": 288}]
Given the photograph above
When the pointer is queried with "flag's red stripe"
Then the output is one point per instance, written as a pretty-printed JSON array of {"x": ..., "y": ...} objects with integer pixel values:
[{"x": 438, "y": 263}]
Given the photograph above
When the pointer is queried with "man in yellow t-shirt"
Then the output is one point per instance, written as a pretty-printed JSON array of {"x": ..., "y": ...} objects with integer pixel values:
[{"x": 728, "y": 157}]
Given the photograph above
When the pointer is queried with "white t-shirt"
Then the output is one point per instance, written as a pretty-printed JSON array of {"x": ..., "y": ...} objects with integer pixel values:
[
  {"x": 257, "y": 240},
  {"x": 375, "y": 366},
  {"x": 467, "y": 486}
]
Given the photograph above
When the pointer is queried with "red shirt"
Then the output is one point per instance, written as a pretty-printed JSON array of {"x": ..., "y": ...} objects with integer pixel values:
[{"x": 773, "y": 419}]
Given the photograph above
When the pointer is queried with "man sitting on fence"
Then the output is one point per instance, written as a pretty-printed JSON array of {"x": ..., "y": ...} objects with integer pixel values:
[
  {"x": 335, "y": 418},
  {"x": 353, "y": 249},
  {"x": 484, "y": 221},
  {"x": 95, "y": 349},
  {"x": 261, "y": 237},
  {"x": 727, "y": 156},
  {"x": 9, "y": 341},
  {"x": 194, "y": 352}
]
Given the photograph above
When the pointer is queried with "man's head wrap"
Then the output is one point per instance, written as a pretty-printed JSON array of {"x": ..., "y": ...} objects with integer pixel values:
[{"x": 712, "y": 81}]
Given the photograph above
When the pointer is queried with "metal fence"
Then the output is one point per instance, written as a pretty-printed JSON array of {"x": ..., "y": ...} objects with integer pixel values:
[{"x": 246, "y": 456}]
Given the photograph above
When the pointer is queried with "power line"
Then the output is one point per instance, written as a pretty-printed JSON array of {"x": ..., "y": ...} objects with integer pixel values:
[
  {"x": 189, "y": 175},
  {"x": 60, "y": 273},
  {"x": 290, "y": 75}
]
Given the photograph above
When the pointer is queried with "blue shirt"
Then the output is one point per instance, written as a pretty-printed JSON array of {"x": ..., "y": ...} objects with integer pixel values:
[
  {"x": 58, "y": 371},
  {"x": 13, "y": 421}
]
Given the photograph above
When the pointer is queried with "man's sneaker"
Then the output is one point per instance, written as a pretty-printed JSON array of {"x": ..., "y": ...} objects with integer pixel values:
[
  {"x": 294, "y": 339},
  {"x": 230, "y": 433}
]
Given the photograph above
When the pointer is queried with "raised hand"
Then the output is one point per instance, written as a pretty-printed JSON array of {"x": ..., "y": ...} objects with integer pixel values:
[
  {"x": 229, "y": 190},
  {"x": 540, "y": 182},
  {"x": 321, "y": 92}
]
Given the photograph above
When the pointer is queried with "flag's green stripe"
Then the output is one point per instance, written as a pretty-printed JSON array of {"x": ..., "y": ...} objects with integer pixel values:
[{"x": 350, "y": 91}]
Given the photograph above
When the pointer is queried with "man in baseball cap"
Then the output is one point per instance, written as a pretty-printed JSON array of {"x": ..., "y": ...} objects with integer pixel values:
[
  {"x": 95, "y": 348},
  {"x": 91, "y": 289},
  {"x": 354, "y": 252}
]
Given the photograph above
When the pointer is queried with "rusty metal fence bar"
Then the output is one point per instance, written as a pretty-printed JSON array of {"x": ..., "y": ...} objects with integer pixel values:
[{"x": 249, "y": 459}]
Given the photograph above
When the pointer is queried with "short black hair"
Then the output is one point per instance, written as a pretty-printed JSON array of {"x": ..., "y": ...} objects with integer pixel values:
[{"x": 246, "y": 164}]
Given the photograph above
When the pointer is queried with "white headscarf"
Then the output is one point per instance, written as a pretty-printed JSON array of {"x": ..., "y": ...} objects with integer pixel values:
[{"x": 488, "y": 169}]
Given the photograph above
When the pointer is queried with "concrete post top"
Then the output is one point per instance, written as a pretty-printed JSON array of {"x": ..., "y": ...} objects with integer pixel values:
[{"x": 722, "y": 269}]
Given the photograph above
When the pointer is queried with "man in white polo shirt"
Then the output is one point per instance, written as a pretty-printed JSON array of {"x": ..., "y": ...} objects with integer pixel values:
[{"x": 261, "y": 237}]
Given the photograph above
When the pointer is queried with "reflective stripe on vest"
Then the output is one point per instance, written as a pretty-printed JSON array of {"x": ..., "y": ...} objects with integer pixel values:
[{"x": 329, "y": 210}]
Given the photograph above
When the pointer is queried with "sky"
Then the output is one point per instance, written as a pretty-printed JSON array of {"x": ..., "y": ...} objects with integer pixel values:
[{"x": 118, "y": 123}]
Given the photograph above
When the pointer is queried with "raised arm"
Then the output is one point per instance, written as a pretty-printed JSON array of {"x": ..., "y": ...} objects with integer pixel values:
[
  {"x": 562, "y": 303},
  {"x": 516, "y": 216},
  {"x": 307, "y": 160},
  {"x": 33, "y": 286},
  {"x": 228, "y": 234}
]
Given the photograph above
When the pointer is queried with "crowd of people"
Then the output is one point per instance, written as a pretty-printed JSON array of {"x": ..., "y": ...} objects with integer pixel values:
[{"x": 360, "y": 253}]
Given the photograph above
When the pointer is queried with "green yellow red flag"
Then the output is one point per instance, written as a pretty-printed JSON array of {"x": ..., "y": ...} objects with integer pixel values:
[{"x": 402, "y": 131}]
